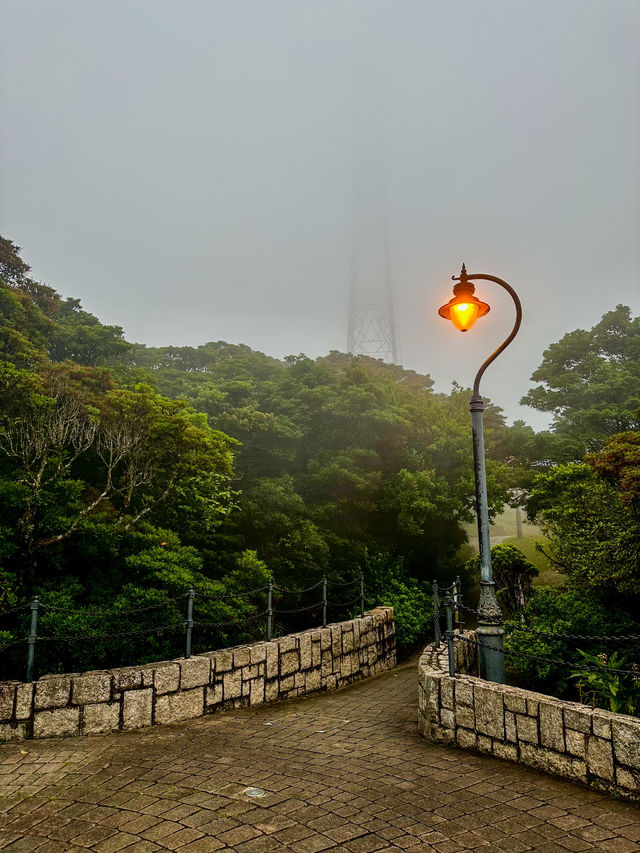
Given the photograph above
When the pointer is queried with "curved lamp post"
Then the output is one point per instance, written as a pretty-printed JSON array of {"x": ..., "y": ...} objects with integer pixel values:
[{"x": 463, "y": 310}]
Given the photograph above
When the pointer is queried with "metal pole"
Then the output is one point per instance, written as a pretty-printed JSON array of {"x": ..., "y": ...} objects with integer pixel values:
[
  {"x": 269, "y": 610},
  {"x": 361, "y": 594},
  {"x": 324, "y": 601},
  {"x": 190, "y": 598},
  {"x": 436, "y": 614},
  {"x": 448, "y": 603},
  {"x": 458, "y": 600},
  {"x": 489, "y": 630},
  {"x": 31, "y": 642}
]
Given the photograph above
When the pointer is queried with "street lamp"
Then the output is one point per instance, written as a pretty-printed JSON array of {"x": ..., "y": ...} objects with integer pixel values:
[{"x": 463, "y": 310}]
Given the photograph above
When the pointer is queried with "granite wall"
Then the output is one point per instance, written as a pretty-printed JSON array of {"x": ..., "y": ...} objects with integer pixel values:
[
  {"x": 170, "y": 691},
  {"x": 564, "y": 738}
]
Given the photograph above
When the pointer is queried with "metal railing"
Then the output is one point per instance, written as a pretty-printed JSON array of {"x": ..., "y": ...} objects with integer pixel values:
[
  {"x": 274, "y": 595},
  {"x": 450, "y": 605},
  {"x": 455, "y": 590}
]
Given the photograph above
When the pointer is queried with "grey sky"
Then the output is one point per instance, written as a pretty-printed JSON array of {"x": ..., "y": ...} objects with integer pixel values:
[{"x": 187, "y": 168}]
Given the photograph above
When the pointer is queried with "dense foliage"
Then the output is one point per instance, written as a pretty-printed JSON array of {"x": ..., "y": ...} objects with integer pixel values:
[{"x": 130, "y": 474}]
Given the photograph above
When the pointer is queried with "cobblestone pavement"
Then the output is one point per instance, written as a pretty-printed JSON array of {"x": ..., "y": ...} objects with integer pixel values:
[{"x": 343, "y": 772}]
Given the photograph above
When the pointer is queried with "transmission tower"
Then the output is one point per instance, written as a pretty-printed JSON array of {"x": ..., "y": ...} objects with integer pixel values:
[{"x": 372, "y": 316}]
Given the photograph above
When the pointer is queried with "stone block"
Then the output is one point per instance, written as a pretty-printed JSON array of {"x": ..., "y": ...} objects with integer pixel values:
[
  {"x": 372, "y": 655},
  {"x": 104, "y": 717},
  {"x": 510, "y": 727},
  {"x": 465, "y": 716},
  {"x": 327, "y": 663},
  {"x": 251, "y": 672},
  {"x": 272, "y": 659},
  {"x": 527, "y": 728},
  {"x": 578, "y": 719},
  {"x": 345, "y": 666},
  {"x": 355, "y": 662},
  {"x": 271, "y": 690},
  {"x": 287, "y": 684},
  {"x": 551, "y": 726},
  {"x": 137, "y": 708},
  {"x": 52, "y": 691},
  {"x": 60, "y": 722},
  {"x": 24, "y": 701},
  {"x": 489, "y": 711},
  {"x": 347, "y": 641},
  {"x": 12, "y": 732},
  {"x": 232, "y": 682},
  {"x": 256, "y": 692},
  {"x": 466, "y": 738},
  {"x": 432, "y": 697},
  {"x": 316, "y": 654},
  {"x": 288, "y": 643},
  {"x": 533, "y": 704},
  {"x": 194, "y": 672},
  {"x": 508, "y": 751},
  {"x": 299, "y": 679},
  {"x": 214, "y": 695},
  {"x": 576, "y": 743},
  {"x": 600, "y": 758},
  {"x": 259, "y": 653},
  {"x": 7, "y": 699},
  {"x": 626, "y": 741},
  {"x": 447, "y": 718},
  {"x": 553, "y": 762},
  {"x": 331, "y": 682},
  {"x": 166, "y": 679},
  {"x": 314, "y": 680},
  {"x": 515, "y": 701},
  {"x": 325, "y": 638},
  {"x": 90, "y": 688},
  {"x": 446, "y": 692},
  {"x": 464, "y": 693},
  {"x": 289, "y": 663},
  {"x": 601, "y": 724},
  {"x": 484, "y": 744},
  {"x": 336, "y": 641},
  {"x": 175, "y": 707},
  {"x": 305, "y": 651},
  {"x": 628, "y": 779},
  {"x": 127, "y": 678},
  {"x": 241, "y": 657},
  {"x": 222, "y": 661}
]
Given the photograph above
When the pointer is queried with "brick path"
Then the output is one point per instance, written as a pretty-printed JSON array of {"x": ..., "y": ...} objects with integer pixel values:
[{"x": 344, "y": 772}]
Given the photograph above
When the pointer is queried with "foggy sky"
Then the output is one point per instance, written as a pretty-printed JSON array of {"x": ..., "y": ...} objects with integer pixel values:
[{"x": 187, "y": 168}]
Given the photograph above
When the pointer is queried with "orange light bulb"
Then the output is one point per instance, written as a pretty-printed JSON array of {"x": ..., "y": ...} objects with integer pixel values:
[{"x": 463, "y": 315}]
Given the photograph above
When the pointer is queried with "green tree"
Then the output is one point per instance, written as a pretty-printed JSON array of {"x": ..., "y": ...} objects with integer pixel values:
[{"x": 590, "y": 382}]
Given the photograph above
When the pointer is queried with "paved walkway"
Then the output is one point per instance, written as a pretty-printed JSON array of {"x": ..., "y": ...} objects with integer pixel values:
[{"x": 344, "y": 772}]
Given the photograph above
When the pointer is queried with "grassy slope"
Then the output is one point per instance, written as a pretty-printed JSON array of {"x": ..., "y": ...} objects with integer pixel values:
[{"x": 504, "y": 530}]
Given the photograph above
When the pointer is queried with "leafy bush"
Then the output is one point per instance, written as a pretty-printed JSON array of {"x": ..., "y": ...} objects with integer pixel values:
[
  {"x": 389, "y": 585},
  {"x": 572, "y": 612}
]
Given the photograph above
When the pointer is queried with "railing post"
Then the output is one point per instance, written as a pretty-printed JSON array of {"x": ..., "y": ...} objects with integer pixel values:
[
  {"x": 448, "y": 603},
  {"x": 324, "y": 601},
  {"x": 458, "y": 601},
  {"x": 189, "y": 622},
  {"x": 269, "y": 610},
  {"x": 361, "y": 594},
  {"x": 436, "y": 614},
  {"x": 33, "y": 636}
]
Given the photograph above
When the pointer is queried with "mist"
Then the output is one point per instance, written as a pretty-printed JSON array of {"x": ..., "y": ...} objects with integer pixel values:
[{"x": 189, "y": 169}]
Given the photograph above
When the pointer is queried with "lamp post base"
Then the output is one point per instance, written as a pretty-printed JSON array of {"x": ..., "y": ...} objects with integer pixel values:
[{"x": 490, "y": 635}]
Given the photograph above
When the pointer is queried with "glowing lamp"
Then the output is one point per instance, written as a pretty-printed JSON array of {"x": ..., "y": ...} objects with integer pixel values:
[{"x": 464, "y": 308}]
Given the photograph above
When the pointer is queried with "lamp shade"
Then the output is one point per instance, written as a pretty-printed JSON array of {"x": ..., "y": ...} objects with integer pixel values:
[{"x": 464, "y": 308}]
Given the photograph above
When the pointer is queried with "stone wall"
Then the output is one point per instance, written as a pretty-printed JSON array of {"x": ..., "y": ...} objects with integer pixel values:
[
  {"x": 563, "y": 738},
  {"x": 169, "y": 691}
]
